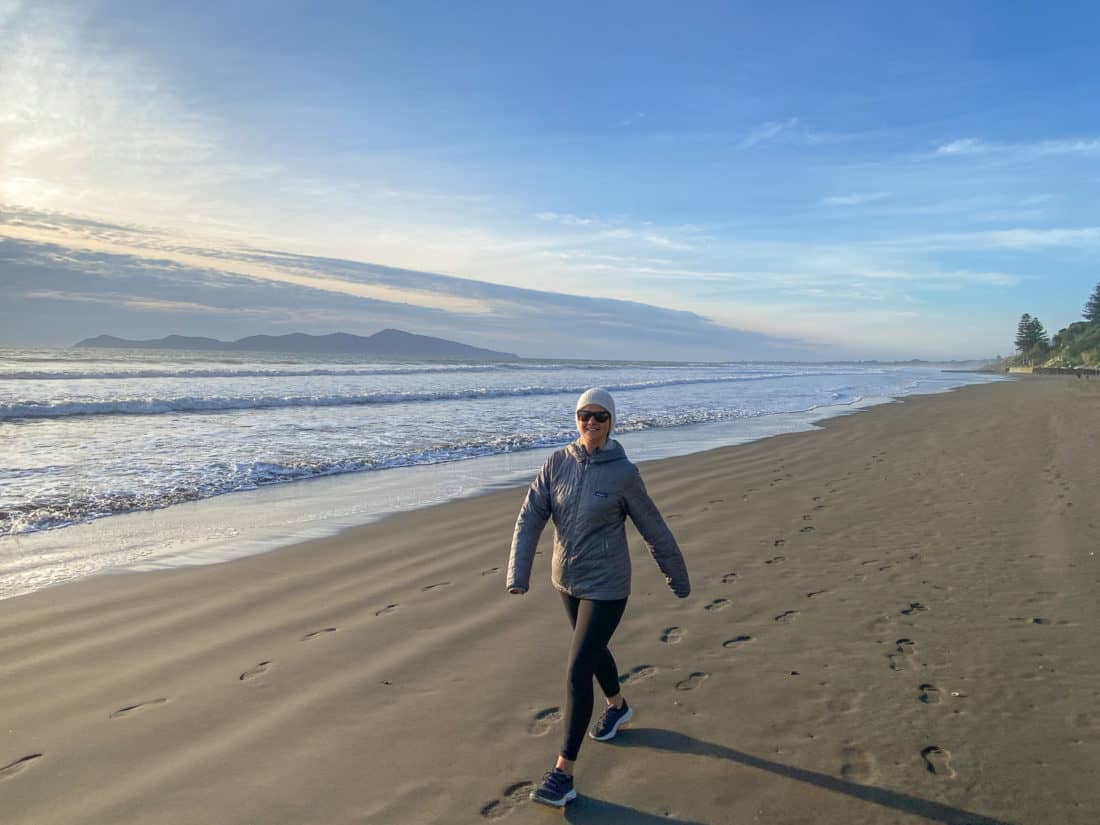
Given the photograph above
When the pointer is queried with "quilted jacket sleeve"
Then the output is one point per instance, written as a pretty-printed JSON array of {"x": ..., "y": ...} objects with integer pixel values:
[
  {"x": 658, "y": 538},
  {"x": 532, "y": 518}
]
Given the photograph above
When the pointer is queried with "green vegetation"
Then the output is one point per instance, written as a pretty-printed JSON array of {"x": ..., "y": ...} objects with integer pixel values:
[{"x": 1075, "y": 346}]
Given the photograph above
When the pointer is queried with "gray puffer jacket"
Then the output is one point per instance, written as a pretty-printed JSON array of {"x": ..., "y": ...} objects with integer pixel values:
[{"x": 589, "y": 498}]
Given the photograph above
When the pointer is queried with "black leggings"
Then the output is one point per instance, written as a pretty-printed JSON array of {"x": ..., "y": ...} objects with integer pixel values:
[{"x": 593, "y": 623}]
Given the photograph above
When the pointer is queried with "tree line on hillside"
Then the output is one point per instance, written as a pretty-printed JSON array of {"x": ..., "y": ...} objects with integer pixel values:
[{"x": 1077, "y": 344}]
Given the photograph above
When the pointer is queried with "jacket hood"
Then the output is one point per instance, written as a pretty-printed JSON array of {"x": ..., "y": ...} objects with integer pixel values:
[{"x": 611, "y": 451}]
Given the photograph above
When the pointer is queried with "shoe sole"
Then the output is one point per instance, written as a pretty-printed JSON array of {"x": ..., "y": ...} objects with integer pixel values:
[
  {"x": 626, "y": 717},
  {"x": 554, "y": 803}
]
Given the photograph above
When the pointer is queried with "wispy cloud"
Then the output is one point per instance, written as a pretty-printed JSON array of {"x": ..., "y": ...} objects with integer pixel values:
[
  {"x": 136, "y": 302},
  {"x": 607, "y": 230},
  {"x": 667, "y": 242},
  {"x": 1022, "y": 239},
  {"x": 855, "y": 198},
  {"x": 769, "y": 131},
  {"x": 152, "y": 255},
  {"x": 81, "y": 125},
  {"x": 566, "y": 219},
  {"x": 953, "y": 279},
  {"x": 965, "y": 146},
  {"x": 978, "y": 147},
  {"x": 1088, "y": 236},
  {"x": 388, "y": 193}
]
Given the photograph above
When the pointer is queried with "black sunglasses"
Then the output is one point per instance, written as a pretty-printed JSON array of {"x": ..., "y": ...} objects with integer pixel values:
[{"x": 602, "y": 417}]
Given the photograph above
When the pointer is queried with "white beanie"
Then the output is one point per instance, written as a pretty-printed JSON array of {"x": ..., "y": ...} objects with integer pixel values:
[{"x": 600, "y": 397}]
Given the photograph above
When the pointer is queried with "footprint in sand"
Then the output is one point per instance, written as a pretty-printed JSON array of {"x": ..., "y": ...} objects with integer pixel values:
[
  {"x": 717, "y": 604},
  {"x": 857, "y": 765},
  {"x": 389, "y": 608},
  {"x": 813, "y": 593},
  {"x": 23, "y": 762},
  {"x": 779, "y": 542},
  {"x": 807, "y": 517},
  {"x": 726, "y": 579},
  {"x": 637, "y": 674},
  {"x": 736, "y": 641},
  {"x": 904, "y": 648},
  {"x": 672, "y": 635},
  {"x": 435, "y": 586},
  {"x": 317, "y": 633},
  {"x": 716, "y": 501},
  {"x": 692, "y": 681},
  {"x": 131, "y": 708},
  {"x": 806, "y": 530},
  {"x": 820, "y": 507},
  {"x": 511, "y": 797},
  {"x": 930, "y": 695},
  {"x": 490, "y": 571},
  {"x": 786, "y": 616},
  {"x": 776, "y": 560},
  {"x": 914, "y": 607},
  {"x": 544, "y": 721},
  {"x": 253, "y": 672},
  {"x": 938, "y": 761}
]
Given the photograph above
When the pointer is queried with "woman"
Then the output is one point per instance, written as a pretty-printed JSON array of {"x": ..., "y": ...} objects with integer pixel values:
[{"x": 589, "y": 488}]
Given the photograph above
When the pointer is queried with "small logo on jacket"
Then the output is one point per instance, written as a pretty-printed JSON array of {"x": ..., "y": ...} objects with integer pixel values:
[{"x": 600, "y": 494}]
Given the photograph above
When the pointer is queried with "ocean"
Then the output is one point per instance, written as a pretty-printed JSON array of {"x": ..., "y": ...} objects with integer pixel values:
[{"x": 134, "y": 459}]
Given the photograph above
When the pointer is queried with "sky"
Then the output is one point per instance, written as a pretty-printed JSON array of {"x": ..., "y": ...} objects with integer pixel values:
[{"x": 695, "y": 180}]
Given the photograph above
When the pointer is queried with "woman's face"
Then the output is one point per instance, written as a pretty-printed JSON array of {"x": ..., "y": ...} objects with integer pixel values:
[{"x": 593, "y": 432}]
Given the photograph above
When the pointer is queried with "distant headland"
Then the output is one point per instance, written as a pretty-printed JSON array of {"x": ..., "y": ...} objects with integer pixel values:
[{"x": 389, "y": 343}]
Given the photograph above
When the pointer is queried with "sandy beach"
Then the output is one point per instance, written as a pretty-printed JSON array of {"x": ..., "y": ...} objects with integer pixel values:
[{"x": 893, "y": 621}]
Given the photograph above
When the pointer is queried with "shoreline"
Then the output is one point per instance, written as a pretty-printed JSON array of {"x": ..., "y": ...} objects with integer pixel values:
[
  {"x": 891, "y": 622},
  {"x": 240, "y": 524}
]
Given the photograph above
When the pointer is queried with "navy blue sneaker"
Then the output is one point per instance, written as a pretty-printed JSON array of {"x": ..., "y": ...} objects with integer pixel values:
[
  {"x": 556, "y": 789},
  {"x": 608, "y": 724}
]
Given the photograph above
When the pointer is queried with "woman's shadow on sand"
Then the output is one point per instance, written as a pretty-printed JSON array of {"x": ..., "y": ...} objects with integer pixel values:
[{"x": 588, "y": 809}]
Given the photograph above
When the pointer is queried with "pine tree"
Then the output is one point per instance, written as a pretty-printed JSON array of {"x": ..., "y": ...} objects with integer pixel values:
[
  {"x": 1037, "y": 334},
  {"x": 1092, "y": 308},
  {"x": 1023, "y": 333},
  {"x": 1037, "y": 345},
  {"x": 1031, "y": 339}
]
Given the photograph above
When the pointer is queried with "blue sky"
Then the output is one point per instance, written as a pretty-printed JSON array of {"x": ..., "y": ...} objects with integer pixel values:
[{"x": 692, "y": 180}]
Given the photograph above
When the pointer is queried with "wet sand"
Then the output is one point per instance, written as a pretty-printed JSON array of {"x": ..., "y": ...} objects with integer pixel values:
[{"x": 893, "y": 621}]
